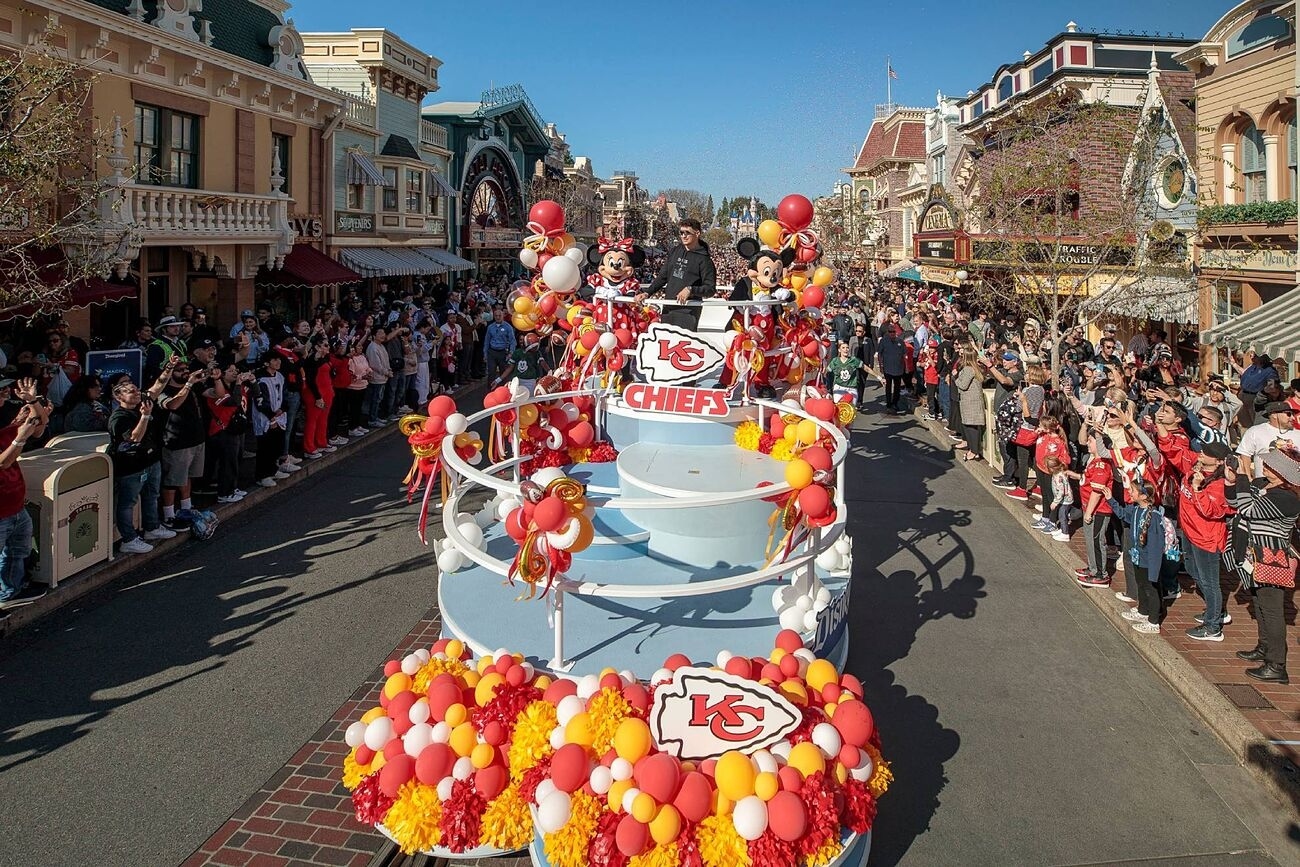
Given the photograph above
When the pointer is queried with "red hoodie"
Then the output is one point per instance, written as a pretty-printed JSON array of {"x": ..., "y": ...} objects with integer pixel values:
[
  {"x": 342, "y": 373},
  {"x": 1202, "y": 514}
]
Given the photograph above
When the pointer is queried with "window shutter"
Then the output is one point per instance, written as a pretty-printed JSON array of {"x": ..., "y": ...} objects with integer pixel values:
[{"x": 1252, "y": 151}]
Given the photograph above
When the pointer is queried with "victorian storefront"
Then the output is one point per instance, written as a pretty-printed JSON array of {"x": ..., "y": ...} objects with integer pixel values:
[
  {"x": 941, "y": 250},
  {"x": 494, "y": 143}
]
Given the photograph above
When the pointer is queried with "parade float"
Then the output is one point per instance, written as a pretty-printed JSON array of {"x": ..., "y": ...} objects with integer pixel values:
[{"x": 636, "y": 525}]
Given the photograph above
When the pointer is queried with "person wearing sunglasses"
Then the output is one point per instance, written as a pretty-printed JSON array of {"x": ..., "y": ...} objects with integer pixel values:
[{"x": 687, "y": 275}]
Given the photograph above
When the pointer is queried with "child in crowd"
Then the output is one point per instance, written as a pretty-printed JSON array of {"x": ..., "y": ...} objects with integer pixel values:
[
  {"x": 1062, "y": 495},
  {"x": 1145, "y": 542}
]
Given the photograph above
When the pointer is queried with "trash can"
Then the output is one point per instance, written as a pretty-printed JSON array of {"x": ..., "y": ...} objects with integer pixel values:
[
  {"x": 72, "y": 492},
  {"x": 86, "y": 442}
]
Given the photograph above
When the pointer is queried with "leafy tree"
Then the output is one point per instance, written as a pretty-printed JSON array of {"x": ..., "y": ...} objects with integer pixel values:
[
  {"x": 690, "y": 203},
  {"x": 718, "y": 238}
]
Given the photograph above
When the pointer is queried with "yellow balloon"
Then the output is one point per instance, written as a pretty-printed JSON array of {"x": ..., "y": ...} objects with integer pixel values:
[
  {"x": 808, "y": 431},
  {"x": 643, "y": 808},
  {"x": 373, "y": 714},
  {"x": 791, "y": 433},
  {"x": 522, "y": 322},
  {"x": 463, "y": 739},
  {"x": 471, "y": 678},
  {"x": 821, "y": 672},
  {"x": 524, "y": 304},
  {"x": 799, "y": 474},
  {"x": 806, "y": 758},
  {"x": 396, "y": 683},
  {"x": 617, "y": 790},
  {"x": 487, "y": 687},
  {"x": 823, "y": 276},
  {"x": 841, "y": 773},
  {"x": 766, "y": 785},
  {"x": 586, "y": 534},
  {"x": 795, "y": 691},
  {"x": 734, "y": 776},
  {"x": 632, "y": 740},
  {"x": 528, "y": 415},
  {"x": 455, "y": 714},
  {"x": 798, "y": 281},
  {"x": 769, "y": 232},
  {"x": 482, "y": 755},
  {"x": 462, "y": 439},
  {"x": 455, "y": 649},
  {"x": 666, "y": 826},
  {"x": 578, "y": 731}
]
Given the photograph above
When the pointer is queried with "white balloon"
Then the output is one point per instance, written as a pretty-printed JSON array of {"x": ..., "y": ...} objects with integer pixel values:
[
  {"x": 724, "y": 656},
  {"x": 588, "y": 685},
  {"x": 417, "y": 737},
  {"x": 791, "y": 618},
  {"x": 506, "y": 507},
  {"x": 378, "y": 733},
  {"x": 355, "y": 735},
  {"x": 423, "y": 653},
  {"x": 803, "y": 603},
  {"x": 823, "y": 596},
  {"x": 528, "y": 258},
  {"x": 553, "y": 813},
  {"x": 486, "y": 516},
  {"x": 410, "y": 664},
  {"x": 863, "y": 772},
  {"x": 829, "y": 560},
  {"x": 765, "y": 761},
  {"x": 661, "y": 675},
  {"x": 561, "y": 274},
  {"x": 546, "y": 475},
  {"x": 809, "y": 621},
  {"x": 529, "y": 671},
  {"x": 620, "y": 769},
  {"x": 463, "y": 769},
  {"x": 781, "y": 749},
  {"x": 462, "y": 517},
  {"x": 627, "y": 677},
  {"x": 569, "y": 707},
  {"x": 441, "y": 733},
  {"x": 557, "y": 738},
  {"x": 577, "y": 254},
  {"x": 608, "y": 341},
  {"x": 457, "y": 423},
  {"x": 544, "y": 789},
  {"x": 445, "y": 545},
  {"x": 843, "y": 545},
  {"x": 419, "y": 713},
  {"x": 571, "y": 411},
  {"x": 628, "y": 797},
  {"x": 804, "y": 654},
  {"x": 475, "y": 459},
  {"x": 472, "y": 533},
  {"x": 601, "y": 779},
  {"x": 750, "y": 817},
  {"x": 827, "y": 738},
  {"x": 450, "y": 561}
]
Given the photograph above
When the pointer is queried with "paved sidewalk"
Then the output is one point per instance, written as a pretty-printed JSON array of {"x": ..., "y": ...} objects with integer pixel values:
[{"x": 1272, "y": 710}]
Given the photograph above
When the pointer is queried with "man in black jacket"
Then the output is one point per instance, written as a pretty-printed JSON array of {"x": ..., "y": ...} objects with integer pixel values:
[{"x": 687, "y": 275}]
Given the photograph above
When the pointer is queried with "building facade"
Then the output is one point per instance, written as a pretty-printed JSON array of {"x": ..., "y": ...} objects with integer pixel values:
[
  {"x": 387, "y": 210},
  {"x": 216, "y": 147},
  {"x": 1246, "y": 82},
  {"x": 880, "y": 175},
  {"x": 624, "y": 208}
]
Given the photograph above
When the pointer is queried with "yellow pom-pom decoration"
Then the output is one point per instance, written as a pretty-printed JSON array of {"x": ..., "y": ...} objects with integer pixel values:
[
  {"x": 632, "y": 740},
  {"x": 806, "y": 758},
  {"x": 734, "y": 775}
]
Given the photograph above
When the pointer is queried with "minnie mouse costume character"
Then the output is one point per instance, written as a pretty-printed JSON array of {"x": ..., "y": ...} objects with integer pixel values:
[
  {"x": 755, "y": 343},
  {"x": 615, "y": 263}
]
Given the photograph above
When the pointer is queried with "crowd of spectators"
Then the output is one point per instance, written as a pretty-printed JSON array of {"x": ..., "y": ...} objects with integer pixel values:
[{"x": 1162, "y": 471}]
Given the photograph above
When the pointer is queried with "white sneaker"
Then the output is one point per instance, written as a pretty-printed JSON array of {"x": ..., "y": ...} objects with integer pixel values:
[
  {"x": 358, "y": 432},
  {"x": 1146, "y": 627},
  {"x": 403, "y": 409},
  {"x": 338, "y": 441},
  {"x": 289, "y": 468},
  {"x": 249, "y": 454},
  {"x": 1124, "y": 597},
  {"x": 1061, "y": 537},
  {"x": 241, "y": 493},
  {"x": 1133, "y": 615},
  {"x": 229, "y": 498},
  {"x": 158, "y": 533},
  {"x": 268, "y": 482},
  {"x": 136, "y": 546},
  {"x": 313, "y": 456},
  {"x": 280, "y": 475},
  {"x": 329, "y": 450}
]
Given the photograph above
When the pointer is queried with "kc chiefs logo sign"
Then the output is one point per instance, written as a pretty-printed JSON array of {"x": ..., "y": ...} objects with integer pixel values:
[
  {"x": 704, "y": 713},
  {"x": 667, "y": 354}
]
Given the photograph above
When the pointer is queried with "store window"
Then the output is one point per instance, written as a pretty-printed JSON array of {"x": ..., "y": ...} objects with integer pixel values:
[
  {"x": 1227, "y": 301},
  {"x": 166, "y": 147},
  {"x": 283, "y": 145},
  {"x": 1005, "y": 88},
  {"x": 414, "y": 191},
  {"x": 1290, "y": 156},
  {"x": 356, "y": 197},
  {"x": 390, "y": 189},
  {"x": 1254, "y": 168},
  {"x": 1041, "y": 71}
]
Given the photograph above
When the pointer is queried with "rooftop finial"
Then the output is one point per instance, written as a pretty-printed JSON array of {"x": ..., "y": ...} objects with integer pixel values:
[{"x": 1071, "y": 27}]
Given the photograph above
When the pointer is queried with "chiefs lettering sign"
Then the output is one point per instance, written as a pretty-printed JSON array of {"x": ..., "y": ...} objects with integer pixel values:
[
  {"x": 709, "y": 402},
  {"x": 668, "y": 355},
  {"x": 704, "y": 713}
]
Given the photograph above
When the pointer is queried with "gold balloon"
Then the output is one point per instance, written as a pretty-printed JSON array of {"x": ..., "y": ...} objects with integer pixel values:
[
  {"x": 522, "y": 322},
  {"x": 769, "y": 232},
  {"x": 798, "y": 280},
  {"x": 823, "y": 276}
]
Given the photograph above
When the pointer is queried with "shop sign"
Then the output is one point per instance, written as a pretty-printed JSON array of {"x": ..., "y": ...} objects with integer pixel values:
[
  {"x": 943, "y": 276},
  {"x": 1248, "y": 260},
  {"x": 831, "y": 623},
  {"x": 492, "y": 238},
  {"x": 944, "y": 248},
  {"x": 436, "y": 225},
  {"x": 668, "y": 355},
  {"x": 702, "y": 713},
  {"x": 108, "y": 363},
  {"x": 1065, "y": 253},
  {"x": 678, "y": 400},
  {"x": 353, "y": 223},
  {"x": 937, "y": 218},
  {"x": 307, "y": 228}
]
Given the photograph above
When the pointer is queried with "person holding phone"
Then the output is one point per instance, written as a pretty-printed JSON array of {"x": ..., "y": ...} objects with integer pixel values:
[
  {"x": 1203, "y": 512},
  {"x": 15, "y": 521},
  {"x": 135, "y": 446}
]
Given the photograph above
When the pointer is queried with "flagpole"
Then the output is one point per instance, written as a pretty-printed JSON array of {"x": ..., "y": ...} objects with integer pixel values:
[{"x": 889, "y": 99}]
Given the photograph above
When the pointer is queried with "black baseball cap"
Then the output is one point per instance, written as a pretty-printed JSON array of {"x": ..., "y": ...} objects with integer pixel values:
[
  {"x": 1218, "y": 451},
  {"x": 204, "y": 343}
]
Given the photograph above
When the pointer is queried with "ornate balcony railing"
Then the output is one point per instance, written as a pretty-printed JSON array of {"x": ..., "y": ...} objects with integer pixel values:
[
  {"x": 432, "y": 134},
  {"x": 358, "y": 110},
  {"x": 201, "y": 215}
]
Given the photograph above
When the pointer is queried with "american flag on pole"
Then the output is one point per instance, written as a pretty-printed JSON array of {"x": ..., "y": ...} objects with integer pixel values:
[{"x": 890, "y": 69}]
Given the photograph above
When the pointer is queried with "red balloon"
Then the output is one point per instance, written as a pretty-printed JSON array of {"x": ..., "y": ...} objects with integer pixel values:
[
  {"x": 503, "y": 664},
  {"x": 582, "y": 433},
  {"x": 812, "y": 349},
  {"x": 434, "y": 763},
  {"x": 396, "y": 773},
  {"x": 676, "y": 661},
  {"x": 547, "y": 214},
  {"x": 550, "y": 514},
  {"x": 611, "y": 681},
  {"x": 494, "y": 733},
  {"x": 557, "y": 418},
  {"x": 365, "y": 755},
  {"x": 787, "y": 817},
  {"x": 849, "y": 756},
  {"x": 739, "y": 666},
  {"x": 547, "y": 304},
  {"x": 515, "y": 675},
  {"x": 853, "y": 721},
  {"x": 491, "y": 781},
  {"x": 821, "y": 408},
  {"x": 589, "y": 339},
  {"x": 559, "y": 689},
  {"x": 795, "y": 211},
  {"x": 806, "y": 255},
  {"x": 624, "y": 337},
  {"x": 777, "y": 426},
  {"x": 852, "y": 684},
  {"x": 818, "y": 457},
  {"x": 442, "y": 405},
  {"x": 399, "y": 707},
  {"x": 812, "y": 296},
  {"x": 569, "y": 767},
  {"x": 631, "y": 836},
  {"x": 814, "y": 501},
  {"x": 616, "y": 361},
  {"x": 694, "y": 797},
  {"x": 637, "y": 696},
  {"x": 515, "y": 527},
  {"x": 391, "y": 667},
  {"x": 542, "y": 258},
  {"x": 788, "y": 640},
  {"x": 442, "y": 696},
  {"x": 393, "y": 748},
  {"x": 789, "y": 665},
  {"x": 791, "y": 779},
  {"x": 658, "y": 775},
  {"x": 771, "y": 671}
]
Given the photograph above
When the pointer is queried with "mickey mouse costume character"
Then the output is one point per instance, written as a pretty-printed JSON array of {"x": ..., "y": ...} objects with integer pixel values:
[
  {"x": 763, "y": 281},
  {"x": 615, "y": 263}
]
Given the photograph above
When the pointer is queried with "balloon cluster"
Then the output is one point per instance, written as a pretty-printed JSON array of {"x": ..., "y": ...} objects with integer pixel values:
[
  {"x": 425, "y": 435},
  {"x": 551, "y": 522},
  {"x": 779, "y": 806},
  {"x": 799, "y": 604},
  {"x": 431, "y": 761},
  {"x": 556, "y": 261},
  {"x": 596, "y": 347},
  {"x": 791, "y": 230}
]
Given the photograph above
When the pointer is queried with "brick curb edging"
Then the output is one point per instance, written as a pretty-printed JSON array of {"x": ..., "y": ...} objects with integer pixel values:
[
  {"x": 1268, "y": 764},
  {"x": 106, "y": 573}
]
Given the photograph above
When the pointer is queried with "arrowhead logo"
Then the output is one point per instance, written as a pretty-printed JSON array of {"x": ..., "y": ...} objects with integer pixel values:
[
  {"x": 667, "y": 354},
  {"x": 704, "y": 713}
]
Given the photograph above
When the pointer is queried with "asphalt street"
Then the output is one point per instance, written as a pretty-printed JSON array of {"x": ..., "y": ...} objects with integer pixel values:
[{"x": 1022, "y": 727}]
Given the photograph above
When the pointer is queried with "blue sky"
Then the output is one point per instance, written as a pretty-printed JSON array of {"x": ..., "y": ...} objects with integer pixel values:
[{"x": 727, "y": 97}]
